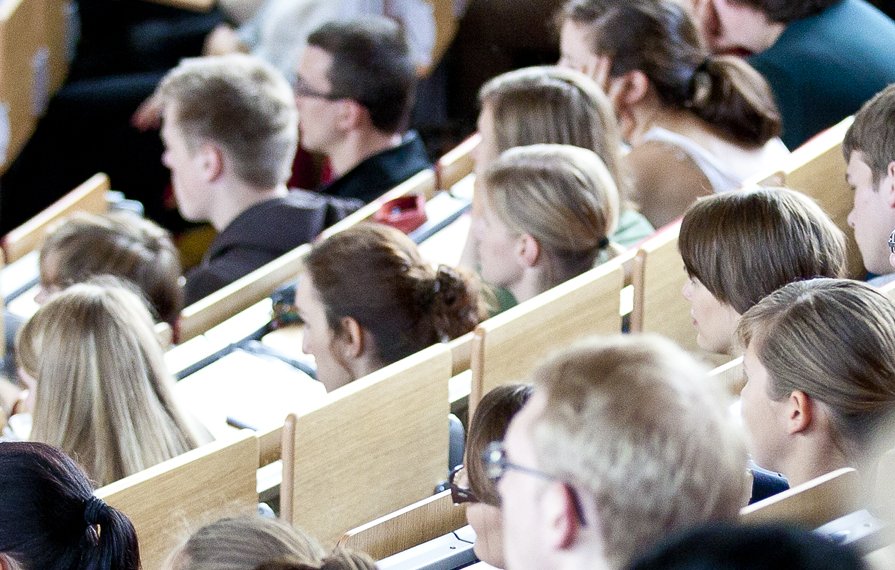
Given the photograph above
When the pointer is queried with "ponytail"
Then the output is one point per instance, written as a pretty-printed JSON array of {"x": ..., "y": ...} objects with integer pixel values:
[
  {"x": 735, "y": 99},
  {"x": 457, "y": 305},
  {"x": 109, "y": 541}
]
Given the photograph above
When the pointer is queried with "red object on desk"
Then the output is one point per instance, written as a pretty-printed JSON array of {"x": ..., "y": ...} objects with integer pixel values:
[{"x": 405, "y": 213}]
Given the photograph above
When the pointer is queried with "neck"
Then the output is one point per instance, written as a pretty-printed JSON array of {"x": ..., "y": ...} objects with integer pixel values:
[
  {"x": 811, "y": 459},
  {"x": 650, "y": 115},
  {"x": 358, "y": 146},
  {"x": 769, "y": 35},
  {"x": 533, "y": 282},
  {"x": 235, "y": 197}
]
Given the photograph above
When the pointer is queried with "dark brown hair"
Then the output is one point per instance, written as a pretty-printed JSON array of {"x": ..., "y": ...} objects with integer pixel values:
[
  {"x": 489, "y": 423},
  {"x": 744, "y": 245},
  {"x": 785, "y": 11},
  {"x": 120, "y": 244},
  {"x": 371, "y": 64},
  {"x": 873, "y": 134},
  {"x": 660, "y": 39},
  {"x": 375, "y": 275}
]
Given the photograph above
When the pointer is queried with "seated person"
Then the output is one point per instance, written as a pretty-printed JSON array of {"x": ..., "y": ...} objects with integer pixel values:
[
  {"x": 749, "y": 547},
  {"x": 820, "y": 379},
  {"x": 229, "y": 131},
  {"x": 97, "y": 377},
  {"x": 367, "y": 300},
  {"x": 470, "y": 483},
  {"x": 243, "y": 543},
  {"x": 547, "y": 213},
  {"x": 697, "y": 124},
  {"x": 539, "y": 105},
  {"x": 822, "y": 58},
  {"x": 869, "y": 149},
  {"x": 734, "y": 260},
  {"x": 623, "y": 441},
  {"x": 354, "y": 87},
  {"x": 340, "y": 559},
  {"x": 50, "y": 519}
]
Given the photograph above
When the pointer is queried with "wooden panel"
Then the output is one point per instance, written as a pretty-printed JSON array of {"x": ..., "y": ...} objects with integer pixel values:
[
  {"x": 413, "y": 525},
  {"x": 730, "y": 375},
  {"x": 506, "y": 348},
  {"x": 171, "y": 500},
  {"x": 457, "y": 163},
  {"x": 375, "y": 445},
  {"x": 88, "y": 197},
  {"x": 21, "y": 38},
  {"x": 55, "y": 25},
  {"x": 817, "y": 169},
  {"x": 194, "y": 5},
  {"x": 810, "y": 504}
]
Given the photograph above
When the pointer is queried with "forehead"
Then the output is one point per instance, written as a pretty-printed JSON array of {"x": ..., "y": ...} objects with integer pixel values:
[
  {"x": 518, "y": 440},
  {"x": 857, "y": 169},
  {"x": 314, "y": 65}
]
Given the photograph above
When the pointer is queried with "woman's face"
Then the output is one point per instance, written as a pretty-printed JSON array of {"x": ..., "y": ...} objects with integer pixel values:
[
  {"x": 498, "y": 249},
  {"x": 486, "y": 152},
  {"x": 319, "y": 339},
  {"x": 715, "y": 322},
  {"x": 487, "y": 523},
  {"x": 765, "y": 419}
]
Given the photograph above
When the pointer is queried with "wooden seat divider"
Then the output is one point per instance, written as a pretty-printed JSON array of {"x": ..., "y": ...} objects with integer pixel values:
[
  {"x": 408, "y": 527},
  {"x": 811, "y": 504},
  {"x": 169, "y": 501},
  {"x": 372, "y": 447},
  {"x": 730, "y": 375},
  {"x": 507, "y": 347},
  {"x": 87, "y": 197}
]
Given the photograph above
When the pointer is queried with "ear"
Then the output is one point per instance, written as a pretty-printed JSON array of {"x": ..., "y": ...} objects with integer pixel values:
[
  {"x": 560, "y": 515},
  {"x": 211, "y": 160},
  {"x": 351, "y": 114},
  {"x": 352, "y": 338},
  {"x": 887, "y": 185},
  {"x": 602, "y": 65},
  {"x": 628, "y": 90},
  {"x": 800, "y": 412},
  {"x": 528, "y": 250}
]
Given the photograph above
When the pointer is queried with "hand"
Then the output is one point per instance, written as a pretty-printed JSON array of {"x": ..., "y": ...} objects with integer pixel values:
[
  {"x": 148, "y": 115},
  {"x": 223, "y": 40}
]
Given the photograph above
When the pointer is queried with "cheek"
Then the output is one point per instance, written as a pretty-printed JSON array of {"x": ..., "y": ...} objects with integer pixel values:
[{"x": 487, "y": 523}]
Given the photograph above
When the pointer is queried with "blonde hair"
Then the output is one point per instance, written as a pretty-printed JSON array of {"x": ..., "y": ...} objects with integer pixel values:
[
  {"x": 103, "y": 394},
  {"x": 832, "y": 339},
  {"x": 561, "y": 195},
  {"x": 549, "y": 104},
  {"x": 244, "y": 543},
  {"x": 634, "y": 422}
]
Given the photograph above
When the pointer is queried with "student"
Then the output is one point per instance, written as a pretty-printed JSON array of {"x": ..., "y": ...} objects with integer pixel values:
[
  {"x": 470, "y": 483},
  {"x": 340, "y": 559},
  {"x": 869, "y": 149},
  {"x": 243, "y": 543},
  {"x": 698, "y": 124},
  {"x": 624, "y": 441},
  {"x": 547, "y": 212},
  {"x": 820, "y": 380},
  {"x": 734, "y": 260},
  {"x": 822, "y": 58},
  {"x": 50, "y": 519},
  {"x": 550, "y": 105},
  {"x": 355, "y": 86},
  {"x": 230, "y": 129},
  {"x": 99, "y": 383},
  {"x": 368, "y": 299}
]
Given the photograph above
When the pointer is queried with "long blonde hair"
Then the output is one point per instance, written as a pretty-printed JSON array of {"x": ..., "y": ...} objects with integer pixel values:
[
  {"x": 561, "y": 195},
  {"x": 103, "y": 394}
]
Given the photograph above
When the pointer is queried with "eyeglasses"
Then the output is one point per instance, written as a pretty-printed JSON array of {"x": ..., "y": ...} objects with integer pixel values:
[
  {"x": 459, "y": 483},
  {"x": 496, "y": 466},
  {"x": 301, "y": 88},
  {"x": 892, "y": 241}
]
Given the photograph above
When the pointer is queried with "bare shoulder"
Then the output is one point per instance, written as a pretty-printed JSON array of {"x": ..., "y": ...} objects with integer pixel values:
[{"x": 666, "y": 181}]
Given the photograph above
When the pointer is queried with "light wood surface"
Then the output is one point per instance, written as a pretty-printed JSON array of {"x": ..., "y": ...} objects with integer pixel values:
[
  {"x": 730, "y": 375},
  {"x": 88, "y": 197},
  {"x": 20, "y": 39},
  {"x": 810, "y": 504},
  {"x": 507, "y": 347},
  {"x": 408, "y": 527},
  {"x": 194, "y": 5},
  {"x": 373, "y": 446},
  {"x": 168, "y": 502}
]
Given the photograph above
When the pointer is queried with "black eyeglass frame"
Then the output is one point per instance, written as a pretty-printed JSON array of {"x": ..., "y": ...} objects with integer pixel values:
[
  {"x": 496, "y": 465},
  {"x": 460, "y": 495},
  {"x": 892, "y": 241},
  {"x": 301, "y": 88}
]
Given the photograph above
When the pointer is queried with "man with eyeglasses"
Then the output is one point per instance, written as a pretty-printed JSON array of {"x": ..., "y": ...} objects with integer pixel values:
[
  {"x": 869, "y": 148},
  {"x": 354, "y": 88},
  {"x": 623, "y": 442}
]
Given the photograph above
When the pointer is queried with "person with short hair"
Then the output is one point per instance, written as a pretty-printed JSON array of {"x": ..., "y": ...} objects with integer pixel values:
[
  {"x": 244, "y": 543},
  {"x": 697, "y": 123},
  {"x": 368, "y": 299},
  {"x": 101, "y": 391},
  {"x": 354, "y": 87},
  {"x": 50, "y": 518},
  {"x": 820, "y": 378},
  {"x": 470, "y": 483},
  {"x": 547, "y": 214},
  {"x": 733, "y": 260},
  {"x": 229, "y": 129},
  {"x": 869, "y": 150},
  {"x": 624, "y": 440},
  {"x": 822, "y": 58}
]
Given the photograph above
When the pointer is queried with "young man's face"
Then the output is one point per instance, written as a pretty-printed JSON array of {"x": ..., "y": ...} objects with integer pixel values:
[
  {"x": 186, "y": 169},
  {"x": 317, "y": 109},
  {"x": 873, "y": 215}
]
